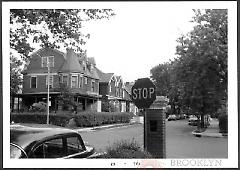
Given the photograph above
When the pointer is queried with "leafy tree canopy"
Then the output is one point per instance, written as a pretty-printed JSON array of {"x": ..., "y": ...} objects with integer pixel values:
[
  {"x": 197, "y": 78},
  {"x": 50, "y": 27}
]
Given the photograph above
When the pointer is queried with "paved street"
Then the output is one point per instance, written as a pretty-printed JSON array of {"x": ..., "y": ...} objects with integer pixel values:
[{"x": 180, "y": 143}]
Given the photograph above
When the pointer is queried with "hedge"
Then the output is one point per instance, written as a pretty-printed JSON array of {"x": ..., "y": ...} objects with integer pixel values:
[
  {"x": 82, "y": 119},
  {"x": 223, "y": 123},
  {"x": 40, "y": 118}
]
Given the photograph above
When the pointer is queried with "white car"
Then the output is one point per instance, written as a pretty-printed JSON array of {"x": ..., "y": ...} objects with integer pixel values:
[
  {"x": 193, "y": 120},
  {"x": 172, "y": 117}
]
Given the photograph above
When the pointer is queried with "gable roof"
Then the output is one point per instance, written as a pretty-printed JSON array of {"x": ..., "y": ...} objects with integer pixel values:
[
  {"x": 128, "y": 86},
  {"x": 46, "y": 48},
  {"x": 104, "y": 77},
  {"x": 71, "y": 64}
]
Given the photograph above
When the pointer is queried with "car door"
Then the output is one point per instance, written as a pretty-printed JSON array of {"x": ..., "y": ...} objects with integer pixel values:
[
  {"x": 75, "y": 147},
  {"x": 50, "y": 148}
]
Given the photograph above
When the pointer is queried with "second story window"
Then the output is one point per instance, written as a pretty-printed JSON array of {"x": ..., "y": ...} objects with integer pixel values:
[
  {"x": 65, "y": 79},
  {"x": 117, "y": 92},
  {"x": 74, "y": 81},
  {"x": 50, "y": 81},
  {"x": 85, "y": 80},
  {"x": 93, "y": 85},
  {"x": 33, "y": 82},
  {"x": 80, "y": 81},
  {"x": 48, "y": 59}
]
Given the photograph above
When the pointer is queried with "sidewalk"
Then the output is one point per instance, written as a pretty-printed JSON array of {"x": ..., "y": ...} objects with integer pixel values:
[
  {"x": 211, "y": 131},
  {"x": 135, "y": 120}
]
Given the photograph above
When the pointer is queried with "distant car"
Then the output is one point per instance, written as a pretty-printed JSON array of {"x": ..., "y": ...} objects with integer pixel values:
[
  {"x": 172, "y": 117},
  {"x": 183, "y": 116},
  {"x": 47, "y": 141},
  {"x": 193, "y": 120}
]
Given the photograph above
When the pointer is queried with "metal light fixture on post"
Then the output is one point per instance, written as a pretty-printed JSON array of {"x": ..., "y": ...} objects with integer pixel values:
[{"x": 48, "y": 91}]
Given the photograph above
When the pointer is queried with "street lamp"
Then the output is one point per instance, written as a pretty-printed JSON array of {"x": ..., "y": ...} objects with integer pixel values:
[{"x": 48, "y": 91}]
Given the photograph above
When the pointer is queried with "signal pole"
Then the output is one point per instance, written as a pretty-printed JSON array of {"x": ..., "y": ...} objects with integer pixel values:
[{"x": 48, "y": 91}]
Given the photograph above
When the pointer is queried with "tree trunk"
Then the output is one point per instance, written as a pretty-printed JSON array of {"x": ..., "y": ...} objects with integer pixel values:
[{"x": 202, "y": 120}]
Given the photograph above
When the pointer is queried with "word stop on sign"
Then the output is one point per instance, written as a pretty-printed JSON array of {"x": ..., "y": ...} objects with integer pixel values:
[{"x": 142, "y": 93}]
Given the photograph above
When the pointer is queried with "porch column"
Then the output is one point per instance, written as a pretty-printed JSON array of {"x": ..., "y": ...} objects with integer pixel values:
[{"x": 18, "y": 104}]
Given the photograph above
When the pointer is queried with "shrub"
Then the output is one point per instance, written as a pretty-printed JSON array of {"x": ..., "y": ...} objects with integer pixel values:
[
  {"x": 40, "y": 118},
  {"x": 223, "y": 123},
  {"x": 89, "y": 119},
  {"x": 126, "y": 149},
  {"x": 38, "y": 107},
  {"x": 82, "y": 119}
]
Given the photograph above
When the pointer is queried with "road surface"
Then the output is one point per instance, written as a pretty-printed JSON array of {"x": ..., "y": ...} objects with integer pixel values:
[{"x": 180, "y": 143}]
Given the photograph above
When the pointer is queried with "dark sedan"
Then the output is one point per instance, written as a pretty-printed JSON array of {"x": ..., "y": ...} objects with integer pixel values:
[{"x": 47, "y": 141}]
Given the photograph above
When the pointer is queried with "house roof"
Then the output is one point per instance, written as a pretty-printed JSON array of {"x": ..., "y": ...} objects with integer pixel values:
[
  {"x": 128, "y": 86},
  {"x": 104, "y": 77},
  {"x": 45, "y": 48},
  {"x": 71, "y": 64}
]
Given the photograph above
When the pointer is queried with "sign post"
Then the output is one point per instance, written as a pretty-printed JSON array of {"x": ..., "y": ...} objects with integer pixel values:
[{"x": 143, "y": 95}]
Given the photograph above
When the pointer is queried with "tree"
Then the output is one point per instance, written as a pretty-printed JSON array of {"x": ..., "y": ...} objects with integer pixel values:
[
  {"x": 161, "y": 77},
  {"x": 50, "y": 27},
  {"x": 197, "y": 78},
  {"x": 202, "y": 65},
  {"x": 15, "y": 74},
  {"x": 15, "y": 77}
]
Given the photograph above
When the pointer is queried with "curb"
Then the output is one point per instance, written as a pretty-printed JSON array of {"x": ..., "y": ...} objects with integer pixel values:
[
  {"x": 205, "y": 134},
  {"x": 102, "y": 127}
]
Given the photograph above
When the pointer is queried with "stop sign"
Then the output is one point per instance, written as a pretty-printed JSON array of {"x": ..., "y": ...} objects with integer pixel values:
[{"x": 143, "y": 93}]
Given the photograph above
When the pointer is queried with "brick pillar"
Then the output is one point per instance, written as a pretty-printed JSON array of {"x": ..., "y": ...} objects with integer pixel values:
[{"x": 155, "y": 132}]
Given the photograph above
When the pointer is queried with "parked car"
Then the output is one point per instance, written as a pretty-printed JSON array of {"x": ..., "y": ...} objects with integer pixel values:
[
  {"x": 47, "y": 141},
  {"x": 193, "y": 120},
  {"x": 183, "y": 116},
  {"x": 172, "y": 117}
]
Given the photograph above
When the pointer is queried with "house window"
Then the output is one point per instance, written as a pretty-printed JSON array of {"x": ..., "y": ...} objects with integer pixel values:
[
  {"x": 116, "y": 91},
  {"x": 80, "y": 81},
  {"x": 85, "y": 80},
  {"x": 33, "y": 82},
  {"x": 92, "y": 85},
  {"x": 74, "y": 81},
  {"x": 48, "y": 59},
  {"x": 65, "y": 79},
  {"x": 50, "y": 81}
]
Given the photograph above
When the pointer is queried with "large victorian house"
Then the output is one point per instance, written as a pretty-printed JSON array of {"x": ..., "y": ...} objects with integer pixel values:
[
  {"x": 76, "y": 75},
  {"x": 71, "y": 72}
]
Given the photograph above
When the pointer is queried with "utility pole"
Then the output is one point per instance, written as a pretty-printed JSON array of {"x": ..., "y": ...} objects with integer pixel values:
[{"x": 48, "y": 90}]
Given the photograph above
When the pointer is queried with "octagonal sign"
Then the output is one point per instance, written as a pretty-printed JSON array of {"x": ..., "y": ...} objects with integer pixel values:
[{"x": 143, "y": 93}]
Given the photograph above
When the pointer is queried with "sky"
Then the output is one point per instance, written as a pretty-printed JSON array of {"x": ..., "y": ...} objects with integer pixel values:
[{"x": 137, "y": 39}]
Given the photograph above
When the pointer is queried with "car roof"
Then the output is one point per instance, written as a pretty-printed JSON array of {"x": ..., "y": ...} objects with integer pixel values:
[{"x": 25, "y": 134}]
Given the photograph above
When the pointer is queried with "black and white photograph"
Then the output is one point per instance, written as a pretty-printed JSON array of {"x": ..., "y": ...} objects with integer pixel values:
[{"x": 132, "y": 84}]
